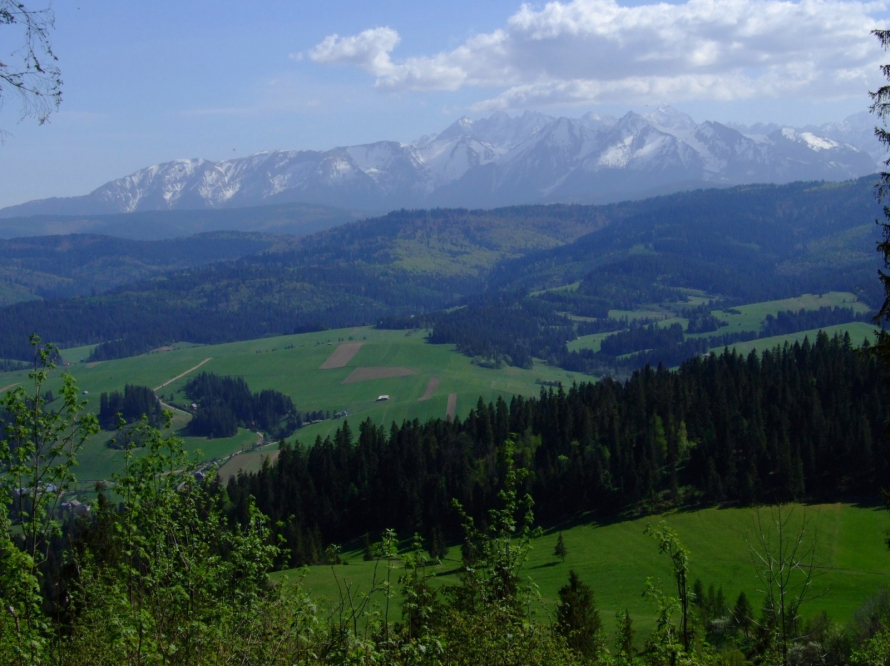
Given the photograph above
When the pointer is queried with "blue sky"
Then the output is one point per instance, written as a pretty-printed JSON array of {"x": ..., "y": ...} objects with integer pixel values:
[{"x": 153, "y": 81}]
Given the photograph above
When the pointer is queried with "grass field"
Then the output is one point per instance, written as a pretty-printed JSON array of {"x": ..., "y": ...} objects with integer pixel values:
[
  {"x": 399, "y": 364},
  {"x": 858, "y": 331},
  {"x": 616, "y": 558},
  {"x": 320, "y": 374},
  {"x": 749, "y": 318}
]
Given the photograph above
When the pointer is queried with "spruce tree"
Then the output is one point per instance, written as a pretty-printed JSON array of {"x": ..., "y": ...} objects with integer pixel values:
[
  {"x": 577, "y": 619},
  {"x": 367, "y": 553},
  {"x": 560, "y": 549},
  {"x": 741, "y": 613}
]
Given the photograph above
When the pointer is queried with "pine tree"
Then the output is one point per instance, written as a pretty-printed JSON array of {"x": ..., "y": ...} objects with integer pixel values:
[
  {"x": 560, "y": 549},
  {"x": 741, "y": 613},
  {"x": 367, "y": 553},
  {"x": 577, "y": 618},
  {"x": 438, "y": 549}
]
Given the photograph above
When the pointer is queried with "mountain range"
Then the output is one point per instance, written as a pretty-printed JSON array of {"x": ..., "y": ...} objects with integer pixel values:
[{"x": 498, "y": 161}]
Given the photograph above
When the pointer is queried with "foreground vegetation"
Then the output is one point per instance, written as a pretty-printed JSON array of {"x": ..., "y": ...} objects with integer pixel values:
[
  {"x": 614, "y": 557},
  {"x": 170, "y": 567}
]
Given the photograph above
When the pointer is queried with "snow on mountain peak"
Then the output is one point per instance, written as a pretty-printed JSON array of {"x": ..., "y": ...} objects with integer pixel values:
[
  {"x": 669, "y": 117},
  {"x": 499, "y": 160},
  {"x": 810, "y": 140}
]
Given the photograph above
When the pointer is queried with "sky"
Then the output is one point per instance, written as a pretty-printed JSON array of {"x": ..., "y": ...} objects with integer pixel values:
[{"x": 149, "y": 82}]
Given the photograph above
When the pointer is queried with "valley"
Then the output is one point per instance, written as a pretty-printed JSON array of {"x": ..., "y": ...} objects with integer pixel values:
[
  {"x": 445, "y": 334},
  {"x": 346, "y": 370}
]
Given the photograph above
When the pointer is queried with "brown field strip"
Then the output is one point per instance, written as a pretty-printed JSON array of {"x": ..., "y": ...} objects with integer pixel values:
[
  {"x": 452, "y": 407},
  {"x": 431, "y": 389},
  {"x": 386, "y": 372},
  {"x": 342, "y": 355},
  {"x": 8, "y": 386}
]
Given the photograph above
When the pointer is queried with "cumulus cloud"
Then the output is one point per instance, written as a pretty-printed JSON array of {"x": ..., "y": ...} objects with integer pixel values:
[{"x": 584, "y": 51}]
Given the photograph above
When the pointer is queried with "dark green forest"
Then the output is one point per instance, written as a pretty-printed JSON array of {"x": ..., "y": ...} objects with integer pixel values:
[
  {"x": 224, "y": 403},
  {"x": 171, "y": 566}
]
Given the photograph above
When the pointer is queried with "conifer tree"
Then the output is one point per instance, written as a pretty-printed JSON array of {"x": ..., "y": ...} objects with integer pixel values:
[
  {"x": 577, "y": 618},
  {"x": 741, "y": 613},
  {"x": 560, "y": 549}
]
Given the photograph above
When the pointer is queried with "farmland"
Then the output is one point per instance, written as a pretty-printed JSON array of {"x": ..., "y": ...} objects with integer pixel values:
[
  {"x": 748, "y": 318},
  {"x": 347, "y": 370},
  {"x": 394, "y": 363}
]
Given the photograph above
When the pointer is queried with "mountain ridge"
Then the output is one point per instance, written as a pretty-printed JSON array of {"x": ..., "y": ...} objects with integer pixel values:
[{"x": 496, "y": 161}]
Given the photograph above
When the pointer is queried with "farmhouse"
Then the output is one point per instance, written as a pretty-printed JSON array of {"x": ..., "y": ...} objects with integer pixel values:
[{"x": 382, "y": 398}]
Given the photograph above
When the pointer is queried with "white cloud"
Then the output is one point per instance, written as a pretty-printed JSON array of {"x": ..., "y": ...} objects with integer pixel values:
[
  {"x": 587, "y": 51},
  {"x": 369, "y": 50}
]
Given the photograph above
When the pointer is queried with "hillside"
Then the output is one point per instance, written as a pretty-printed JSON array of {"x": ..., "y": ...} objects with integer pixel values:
[
  {"x": 83, "y": 264},
  {"x": 745, "y": 244},
  {"x": 615, "y": 558},
  {"x": 293, "y": 218}
]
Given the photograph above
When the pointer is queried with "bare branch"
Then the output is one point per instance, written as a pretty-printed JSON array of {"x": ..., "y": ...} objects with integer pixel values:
[{"x": 29, "y": 71}]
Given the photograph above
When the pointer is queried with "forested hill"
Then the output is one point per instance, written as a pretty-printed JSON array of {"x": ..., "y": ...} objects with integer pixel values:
[
  {"x": 83, "y": 264},
  {"x": 783, "y": 240},
  {"x": 803, "y": 421},
  {"x": 291, "y": 218}
]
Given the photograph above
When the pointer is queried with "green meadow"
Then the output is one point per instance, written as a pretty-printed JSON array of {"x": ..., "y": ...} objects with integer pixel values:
[
  {"x": 749, "y": 318},
  {"x": 292, "y": 364},
  {"x": 615, "y": 558},
  {"x": 426, "y": 377}
]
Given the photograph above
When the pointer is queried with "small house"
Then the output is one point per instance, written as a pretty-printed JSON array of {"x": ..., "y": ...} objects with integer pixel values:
[{"x": 382, "y": 398}]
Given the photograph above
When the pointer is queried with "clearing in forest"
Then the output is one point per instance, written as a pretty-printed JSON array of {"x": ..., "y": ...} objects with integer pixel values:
[
  {"x": 452, "y": 407},
  {"x": 367, "y": 374},
  {"x": 342, "y": 355},
  {"x": 431, "y": 389}
]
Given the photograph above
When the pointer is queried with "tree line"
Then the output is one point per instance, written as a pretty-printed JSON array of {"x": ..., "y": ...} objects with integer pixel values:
[
  {"x": 800, "y": 421},
  {"x": 224, "y": 403}
]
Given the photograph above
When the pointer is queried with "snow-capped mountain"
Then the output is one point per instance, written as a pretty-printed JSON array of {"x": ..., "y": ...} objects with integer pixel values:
[{"x": 499, "y": 160}]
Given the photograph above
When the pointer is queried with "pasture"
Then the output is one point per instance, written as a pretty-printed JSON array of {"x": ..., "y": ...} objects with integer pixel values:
[
  {"x": 615, "y": 558},
  {"x": 334, "y": 371},
  {"x": 748, "y": 318},
  {"x": 346, "y": 370}
]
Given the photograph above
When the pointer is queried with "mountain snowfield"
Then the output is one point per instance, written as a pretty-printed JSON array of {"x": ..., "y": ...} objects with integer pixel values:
[{"x": 497, "y": 161}]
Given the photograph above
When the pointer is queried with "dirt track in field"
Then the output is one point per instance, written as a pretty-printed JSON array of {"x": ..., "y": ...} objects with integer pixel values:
[
  {"x": 431, "y": 389},
  {"x": 342, "y": 355},
  {"x": 8, "y": 386},
  {"x": 368, "y": 374},
  {"x": 452, "y": 407},
  {"x": 170, "y": 381}
]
